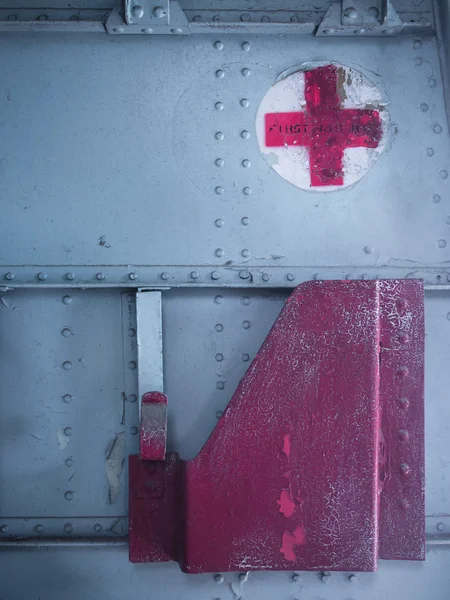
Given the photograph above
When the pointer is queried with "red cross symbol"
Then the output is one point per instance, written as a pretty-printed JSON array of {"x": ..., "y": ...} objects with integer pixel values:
[{"x": 324, "y": 128}]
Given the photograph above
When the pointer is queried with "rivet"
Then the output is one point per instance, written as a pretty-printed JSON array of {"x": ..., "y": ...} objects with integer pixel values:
[
  {"x": 132, "y": 398},
  {"x": 39, "y": 528},
  {"x": 159, "y": 12},
  {"x": 131, "y": 298},
  {"x": 246, "y": 72},
  {"x": 66, "y": 332},
  {"x": 42, "y": 276},
  {"x": 216, "y": 18},
  {"x": 265, "y": 19},
  {"x": 418, "y": 61},
  {"x": 219, "y": 327},
  {"x": 215, "y": 275},
  {"x": 437, "y": 129},
  {"x": 352, "y": 578},
  {"x": 245, "y": 220},
  {"x": 195, "y": 275},
  {"x": 132, "y": 276},
  {"x": 67, "y": 398},
  {"x": 245, "y": 46},
  {"x": 68, "y": 431},
  {"x": 100, "y": 276},
  {"x": 197, "y": 19},
  {"x": 67, "y": 365},
  {"x": 220, "y": 385},
  {"x": 405, "y": 469},
  {"x": 133, "y": 430},
  {"x": 12, "y": 17},
  {"x": 97, "y": 527},
  {"x": 295, "y": 19},
  {"x": 430, "y": 151},
  {"x": 290, "y": 277},
  {"x": 218, "y": 299},
  {"x": 70, "y": 276},
  {"x": 218, "y": 222},
  {"x": 403, "y": 435},
  {"x": 265, "y": 276},
  {"x": 403, "y": 402},
  {"x": 436, "y": 198},
  {"x": 244, "y": 274},
  {"x": 131, "y": 332},
  {"x": 387, "y": 31},
  {"x": 218, "y": 45},
  {"x": 218, "y": 105},
  {"x": 246, "y": 163},
  {"x": 220, "y": 74},
  {"x": 132, "y": 365},
  {"x": 440, "y": 526},
  {"x": 373, "y": 12},
  {"x": 68, "y": 528},
  {"x": 350, "y": 12},
  {"x": 147, "y": 30},
  {"x": 67, "y": 300},
  {"x": 245, "y": 253},
  {"x": 245, "y": 103},
  {"x": 295, "y": 577},
  {"x": 245, "y": 17},
  {"x": 219, "y": 357},
  {"x": 432, "y": 82},
  {"x": 424, "y": 107},
  {"x": 219, "y": 162},
  {"x": 245, "y": 134},
  {"x": 245, "y": 300},
  {"x": 138, "y": 11},
  {"x": 219, "y": 135},
  {"x": 247, "y": 191},
  {"x": 328, "y": 31},
  {"x": 68, "y": 462},
  {"x": 443, "y": 174},
  {"x": 219, "y": 190},
  {"x": 219, "y": 252},
  {"x": 118, "y": 29},
  {"x": 246, "y": 324},
  {"x": 417, "y": 45},
  {"x": 245, "y": 357},
  {"x": 360, "y": 31},
  {"x": 442, "y": 243},
  {"x": 325, "y": 577},
  {"x": 219, "y": 413},
  {"x": 403, "y": 371},
  {"x": 368, "y": 249},
  {"x": 447, "y": 221},
  {"x": 164, "y": 275},
  {"x": 68, "y": 495},
  {"x": 176, "y": 30},
  {"x": 4, "y": 529},
  {"x": 218, "y": 578},
  {"x": 9, "y": 276}
]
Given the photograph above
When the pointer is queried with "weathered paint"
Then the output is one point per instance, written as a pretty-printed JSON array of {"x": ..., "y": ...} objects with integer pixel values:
[
  {"x": 153, "y": 427},
  {"x": 305, "y": 469}
]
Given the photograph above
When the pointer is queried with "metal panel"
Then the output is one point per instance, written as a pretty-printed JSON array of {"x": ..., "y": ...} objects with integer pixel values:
[
  {"x": 89, "y": 203},
  {"x": 149, "y": 343}
]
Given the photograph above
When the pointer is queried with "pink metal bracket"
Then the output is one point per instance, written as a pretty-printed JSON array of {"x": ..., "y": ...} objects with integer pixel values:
[{"x": 318, "y": 461}]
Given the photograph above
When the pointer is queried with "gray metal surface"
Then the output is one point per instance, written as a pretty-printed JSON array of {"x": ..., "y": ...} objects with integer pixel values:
[
  {"x": 99, "y": 165},
  {"x": 149, "y": 343}
]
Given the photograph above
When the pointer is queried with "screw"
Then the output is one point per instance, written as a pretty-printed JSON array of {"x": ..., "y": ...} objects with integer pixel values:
[
  {"x": 39, "y": 528},
  {"x": 68, "y": 528},
  {"x": 9, "y": 276},
  {"x": 42, "y": 276},
  {"x": 244, "y": 274},
  {"x": 100, "y": 276},
  {"x": 4, "y": 529},
  {"x": 132, "y": 276},
  {"x": 70, "y": 276}
]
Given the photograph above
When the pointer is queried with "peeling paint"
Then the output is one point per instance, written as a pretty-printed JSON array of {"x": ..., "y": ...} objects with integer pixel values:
[{"x": 291, "y": 540}]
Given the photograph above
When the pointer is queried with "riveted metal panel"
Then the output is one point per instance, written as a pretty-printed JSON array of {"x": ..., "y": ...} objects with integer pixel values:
[{"x": 120, "y": 170}]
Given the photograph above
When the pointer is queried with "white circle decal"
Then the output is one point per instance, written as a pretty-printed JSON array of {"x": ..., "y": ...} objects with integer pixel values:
[{"x": 323, "y": 127}]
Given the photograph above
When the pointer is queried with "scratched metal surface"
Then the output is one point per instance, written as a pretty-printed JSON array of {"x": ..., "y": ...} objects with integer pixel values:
[{"x": 99, "y": 206}]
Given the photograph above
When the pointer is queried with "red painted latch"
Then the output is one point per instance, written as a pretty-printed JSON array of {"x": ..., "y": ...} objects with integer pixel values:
[{"x": 318, "y": 461}]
